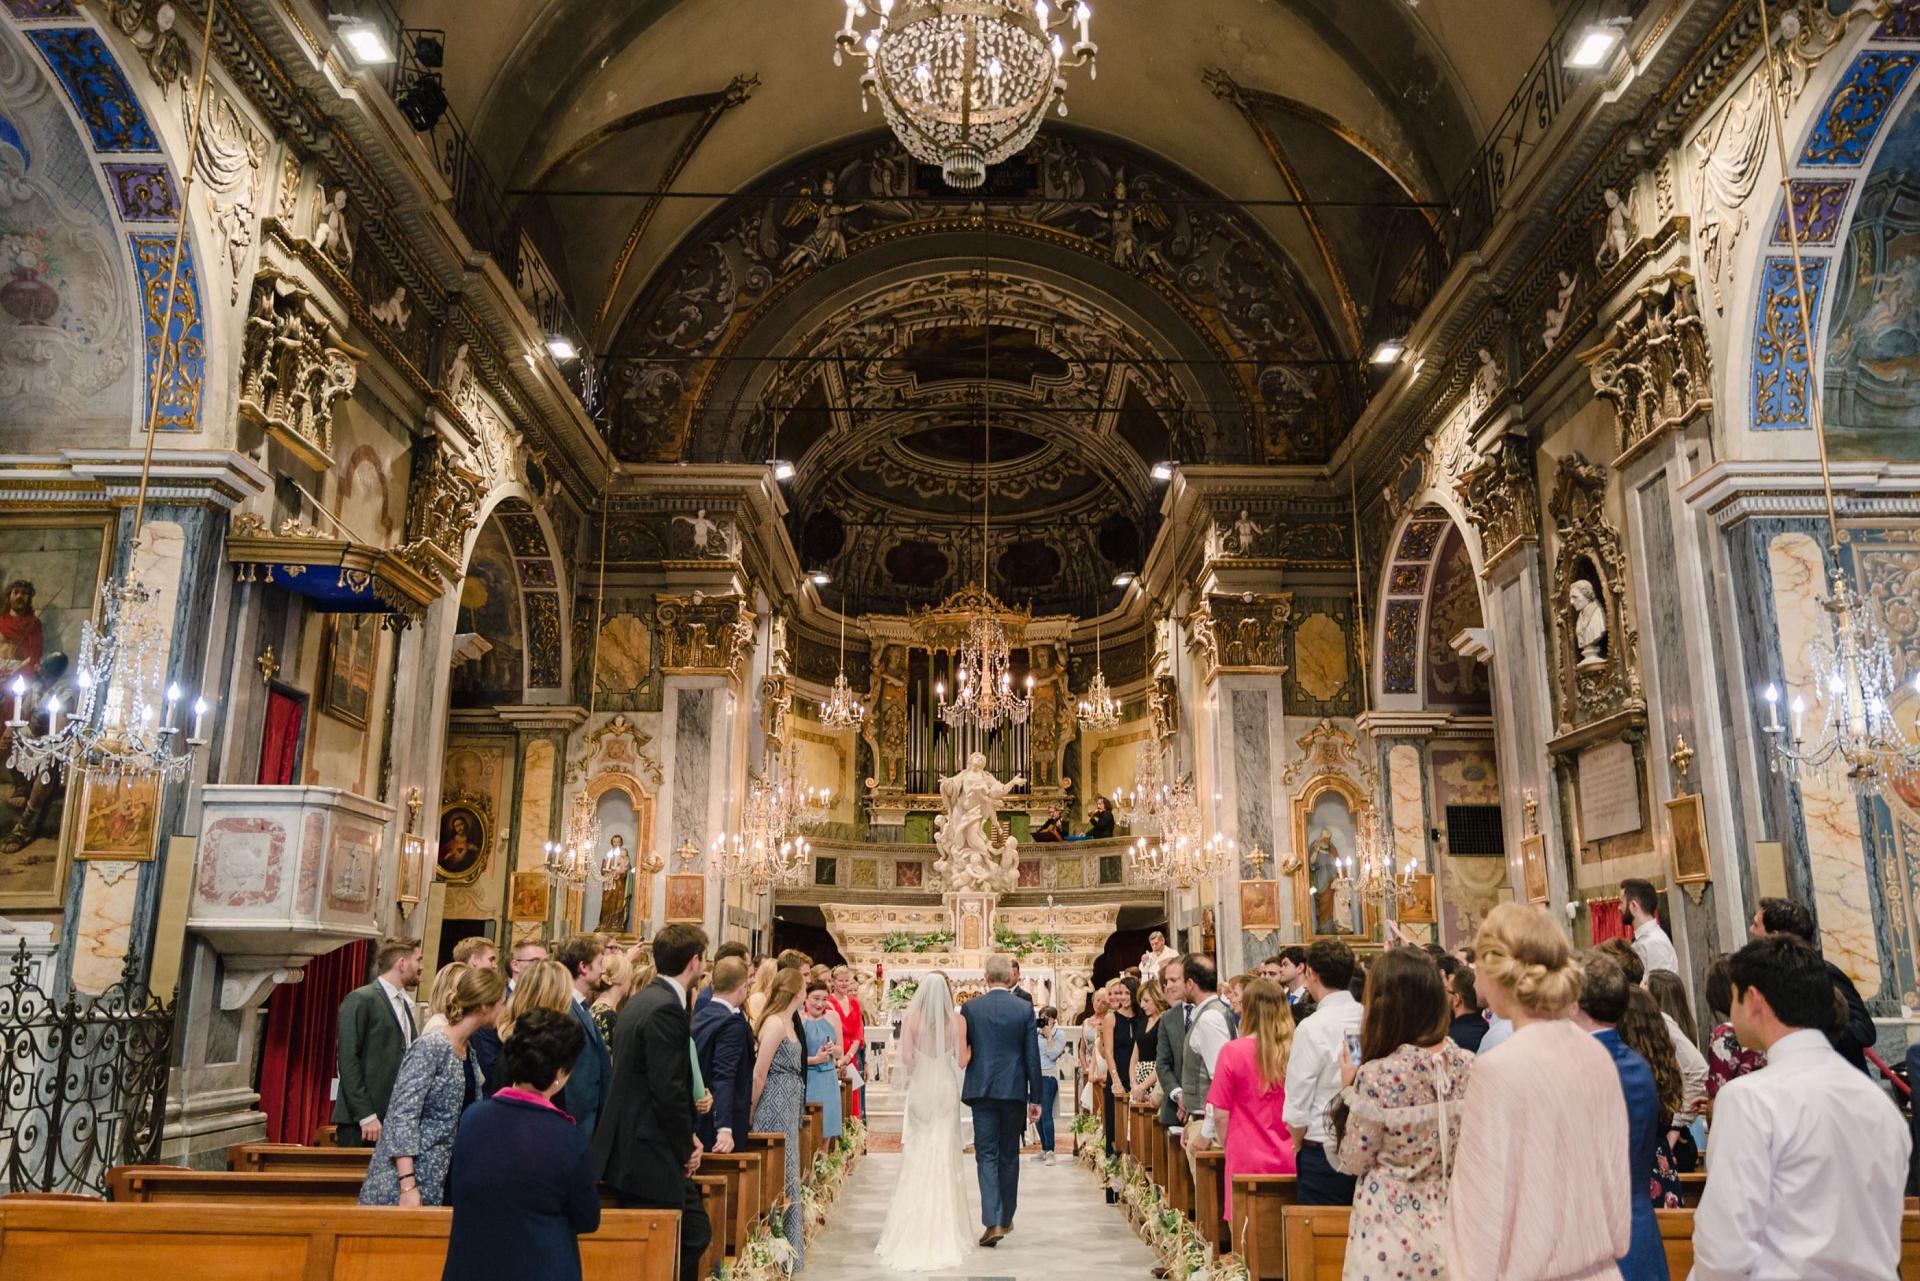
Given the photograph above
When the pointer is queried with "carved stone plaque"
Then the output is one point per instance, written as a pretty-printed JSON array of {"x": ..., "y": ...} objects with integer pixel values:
[{"x": 1609, "y": 791}]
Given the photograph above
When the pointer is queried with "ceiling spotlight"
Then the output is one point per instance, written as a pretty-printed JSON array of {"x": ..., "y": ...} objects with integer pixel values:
[
  {"x": 1594, "y": 45},
  {"x": 1123, "y": 579},
  {"x": 820, "y": 577},
  {"x": 1389, "y": 351},
  {"x": 561, "y": 347},
  {"x": 1163, "y": 470},
  {"x": 782, "y": 469},
  {"x": 366, "y": 42}
]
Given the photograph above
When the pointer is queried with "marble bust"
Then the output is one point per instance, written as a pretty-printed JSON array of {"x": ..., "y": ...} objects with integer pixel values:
[{"x": 1589, "y": 626}]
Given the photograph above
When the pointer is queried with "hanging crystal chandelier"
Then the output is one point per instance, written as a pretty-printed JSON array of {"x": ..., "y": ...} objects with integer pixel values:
[
  {"x": 964, "y": 84},
  {"x": 1853, "y": 667},
  {"x": 793, "y": 802},
  {"x": 1099, "y": 709},
  {"x": 842, "y": 710},
  {"x": 984, "y": 694},
  {"x": 1141, "y": 807},
  {"x": 1184, "y": 860}
]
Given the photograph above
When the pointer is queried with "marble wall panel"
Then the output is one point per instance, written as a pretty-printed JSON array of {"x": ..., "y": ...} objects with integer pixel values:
[
  {"x": 536, "y": 805},
  {"x": 692, "y": 766},
  {"x": 1842, "y": 886},
  {"x": 107, "y": 902}
]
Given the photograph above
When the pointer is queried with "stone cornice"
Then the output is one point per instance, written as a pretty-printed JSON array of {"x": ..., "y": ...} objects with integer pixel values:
[
  {"x": 221, "y": 477},
  {"x": 1731, "y": 492}
]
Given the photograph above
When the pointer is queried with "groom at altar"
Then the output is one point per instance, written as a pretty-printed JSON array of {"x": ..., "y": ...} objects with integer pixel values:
[{"x": 1002, "y": 1087}]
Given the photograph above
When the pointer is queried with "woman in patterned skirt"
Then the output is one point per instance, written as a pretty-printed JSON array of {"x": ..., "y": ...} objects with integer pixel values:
[{"x": 780, "y": 1091}]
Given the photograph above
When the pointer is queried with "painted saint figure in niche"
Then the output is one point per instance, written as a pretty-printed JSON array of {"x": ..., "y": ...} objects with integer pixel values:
[
  {"x": 462, "y": 842},
  {"x": 1323, "y": 864},
  {"x": 613, "y": 890}
]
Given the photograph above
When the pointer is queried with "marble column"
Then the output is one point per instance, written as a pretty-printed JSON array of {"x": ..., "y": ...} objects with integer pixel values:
[
  {"x": 1248, "y": 742},
  {"x": 693, "y": 757}
]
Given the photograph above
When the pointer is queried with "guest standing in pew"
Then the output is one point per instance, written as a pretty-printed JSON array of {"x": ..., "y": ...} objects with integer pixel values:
[
  {"x": 721, "y": 953},
  {"x": 1809, "y": 1157},
  {"x": 824, "y": 1059},
  {"x": 853, "y": 1028},
  {"x": 1603, "y": 1004},
  {"x": 645, "y": 1149},
  {"x": 780, "y": 1089},
  {"x": 591, "y": 1075},
  {"x": 1396, "y": 1122},
  {"x": 445, "y": 984},
  {"x": 544, "y": 985},
  {"x": 1645, "y": 1033},
  {"x": 1853, "y": 1034},
  {"x": 1727, "y": 1059},
  {"x": 1313, "y": 1071},
  {"x": 376, "y": 1027},
  {"x": 1248, "y": 1093},
  {"x": 522, "y": 1185},
  {"x": 1469, "y": 1025},
  {"x": 438, "y": 1080},
  {"x": 1540, "y": 1186},
  {"x": 724, "y": 1041},
  {"x": 618, "y": 978}
]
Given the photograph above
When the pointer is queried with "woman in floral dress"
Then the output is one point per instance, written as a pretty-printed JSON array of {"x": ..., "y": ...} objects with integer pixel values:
[
  {"x": 1397, "y": 1123},
  {"x": 1645, "y": 1033},
  {"x": 1727, "y": 1059}
]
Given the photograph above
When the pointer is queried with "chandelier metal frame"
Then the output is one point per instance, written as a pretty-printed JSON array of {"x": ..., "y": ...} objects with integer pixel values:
[
  {"x": 1854, "y": 684},
  {"x": 841, "y": 710},
  {"x": 1098, "y": 708},
  {"x": 965, "y": 84}
]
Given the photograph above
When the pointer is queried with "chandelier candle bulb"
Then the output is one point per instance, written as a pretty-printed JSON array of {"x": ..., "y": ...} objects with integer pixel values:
[{"x": 19, "y": 688}]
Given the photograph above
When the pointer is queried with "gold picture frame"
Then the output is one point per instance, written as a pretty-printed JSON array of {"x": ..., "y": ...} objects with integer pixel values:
[
  {"x": 1415, "y": 902},
  {"x": 413, "y": 861},
  {"x": 528, "y": 897},
  {"x": 1259, "y": 905},
  {"x": 1533, "y": 868},
  {"x": 686, "y": 898},
  {"x": 118, "y": 818},
  {"x": 349, "y": 659},
  {"x": 1687, "y": 839}
]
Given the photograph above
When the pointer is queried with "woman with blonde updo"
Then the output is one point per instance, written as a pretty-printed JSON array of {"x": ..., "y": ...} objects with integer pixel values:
[
  {"x": 1540, "y": 1182},
  {"x": 445, "y": 984}
]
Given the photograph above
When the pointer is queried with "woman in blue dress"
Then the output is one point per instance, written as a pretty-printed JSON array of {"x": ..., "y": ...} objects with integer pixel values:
[
  {"x": 824, "y": 1058},
  {"x": 780, "y": 1092}
]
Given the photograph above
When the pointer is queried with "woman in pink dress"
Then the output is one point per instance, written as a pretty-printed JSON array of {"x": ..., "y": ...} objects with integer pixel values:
[{"x": 1249, "y": 1088}]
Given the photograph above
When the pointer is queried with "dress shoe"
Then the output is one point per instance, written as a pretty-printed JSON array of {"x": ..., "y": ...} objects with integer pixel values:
[{"x": 991, "y": 1237}]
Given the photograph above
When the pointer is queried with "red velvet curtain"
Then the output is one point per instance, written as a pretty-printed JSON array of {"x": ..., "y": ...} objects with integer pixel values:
[
  {"x": 302, "y": 1044},
  {"x": 280, "y": 740},
  {"x": 1608, "y": 921}
]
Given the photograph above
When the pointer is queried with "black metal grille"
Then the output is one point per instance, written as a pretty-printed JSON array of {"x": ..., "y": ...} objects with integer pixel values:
[
  {"x": 83, "y": 1083},
  {"x": 1475, "y": 830}
]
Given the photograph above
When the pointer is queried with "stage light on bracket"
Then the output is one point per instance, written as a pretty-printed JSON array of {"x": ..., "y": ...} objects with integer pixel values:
[
  {"x": 1595, "y": 44},
  {"x": 782, "y": 469},
  {"x": 561, "y": 347},
  {"x": 1123, "y": 579},
  {"x": 819, "y": 577},
  {"x": 366, "y": 42},
  {"x": 1389, "y": 351},
  {"x": 1163, "y": 470}
]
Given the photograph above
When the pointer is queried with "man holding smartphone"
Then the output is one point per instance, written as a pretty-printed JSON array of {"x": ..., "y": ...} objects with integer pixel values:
[{"x": 1313, "y": 1071}]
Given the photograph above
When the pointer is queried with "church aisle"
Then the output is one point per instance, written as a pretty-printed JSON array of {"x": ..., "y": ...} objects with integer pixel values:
[{"x": 1064, "y": 1231}]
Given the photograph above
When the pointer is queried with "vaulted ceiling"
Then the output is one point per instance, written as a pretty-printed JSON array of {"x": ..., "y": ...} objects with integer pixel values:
[{"x": 1192, "y": 266}]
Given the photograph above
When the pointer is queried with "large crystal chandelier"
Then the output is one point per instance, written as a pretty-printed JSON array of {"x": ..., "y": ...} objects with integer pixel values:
[
  {"x": 1141, "y": 807},
  {"x": 965, "y": 83},
  {"x": 762, "y": 853},
  {"x": 842, "y": 710},
  {"x": 1183, "y": 860},
  {"x": 1099, "y": 709},
  {"x": 1853, "y": 667}
]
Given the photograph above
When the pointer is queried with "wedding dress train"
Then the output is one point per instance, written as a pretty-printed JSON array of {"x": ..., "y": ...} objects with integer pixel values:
[{"x": 930, "y": 1221}]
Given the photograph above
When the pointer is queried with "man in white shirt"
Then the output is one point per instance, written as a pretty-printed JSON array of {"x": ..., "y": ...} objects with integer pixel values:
[
  {"x": 1313, "y": 1072},
  {"x": 1809, "y": 1156},
  {"x": 1641, "y": 906},
  {"x": 1208, "y": 1031},
  {"x": 1156, "y": 955}
]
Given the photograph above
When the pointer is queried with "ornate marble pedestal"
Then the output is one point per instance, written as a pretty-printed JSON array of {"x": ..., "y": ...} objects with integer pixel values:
[{"x": 972, "y": 914}]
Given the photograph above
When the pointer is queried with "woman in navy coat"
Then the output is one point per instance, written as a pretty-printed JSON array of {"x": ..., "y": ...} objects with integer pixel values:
[{"x": 522, "y": 1187}]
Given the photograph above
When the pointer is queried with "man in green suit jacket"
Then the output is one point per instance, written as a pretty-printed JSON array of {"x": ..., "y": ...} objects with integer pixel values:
[{"x": 376, "y": 1027}]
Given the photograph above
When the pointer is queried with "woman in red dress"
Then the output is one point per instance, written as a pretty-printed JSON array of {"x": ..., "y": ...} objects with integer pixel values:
[{"x": 853, "y": 1026}]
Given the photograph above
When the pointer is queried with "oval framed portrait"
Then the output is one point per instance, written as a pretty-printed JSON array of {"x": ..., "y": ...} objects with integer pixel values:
[{"x": 464, "y": 839}]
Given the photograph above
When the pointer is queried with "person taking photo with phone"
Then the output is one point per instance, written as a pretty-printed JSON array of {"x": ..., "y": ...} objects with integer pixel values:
[{"x": 1313, "y": 1072}]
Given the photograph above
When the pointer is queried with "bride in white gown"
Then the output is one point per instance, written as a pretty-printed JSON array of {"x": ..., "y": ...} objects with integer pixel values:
[{"x": 929, "y": 1225}]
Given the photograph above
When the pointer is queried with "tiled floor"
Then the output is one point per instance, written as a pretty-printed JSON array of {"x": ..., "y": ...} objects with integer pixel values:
[{"x": 1064, "y": 1231}]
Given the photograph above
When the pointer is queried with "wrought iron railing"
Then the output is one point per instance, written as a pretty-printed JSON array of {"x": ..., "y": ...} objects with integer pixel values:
[
  {"x": 83, "y": 1082},
  {"x": 415, "y": 85}
]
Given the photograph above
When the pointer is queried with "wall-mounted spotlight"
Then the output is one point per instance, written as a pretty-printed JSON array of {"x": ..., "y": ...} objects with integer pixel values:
[
  {"x": 782, "y": 469},
  {"x": 1164, "y": 470},
  {"x": 1123, "y": 579},
  {"x": 1389, "y": 351},
  {"x": 561, "y": 347},
  {"x": 366, "y": 42},
  {"x": 820, "y": 577},
  {"x": 1594, "y": 44}
]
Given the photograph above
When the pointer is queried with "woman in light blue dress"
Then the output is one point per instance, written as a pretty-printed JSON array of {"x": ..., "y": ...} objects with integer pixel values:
[{"x": 824, "y": 1058}]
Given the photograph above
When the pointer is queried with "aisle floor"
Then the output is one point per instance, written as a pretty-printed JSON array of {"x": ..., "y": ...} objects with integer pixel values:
[{"x": 1064, "y": 1231}]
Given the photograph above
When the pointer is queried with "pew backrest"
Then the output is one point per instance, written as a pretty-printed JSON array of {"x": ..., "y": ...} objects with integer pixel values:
[
  {"x": 172, "y": 1184},
  {"x": 261, "y": 1158}
]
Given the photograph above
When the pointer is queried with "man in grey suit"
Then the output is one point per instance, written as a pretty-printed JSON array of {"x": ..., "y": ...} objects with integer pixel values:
[
  {"x": 1208, "y": 1032},
  {"x": 1169, "y": 1058},
  {"x": 1002, "y": 1087}
]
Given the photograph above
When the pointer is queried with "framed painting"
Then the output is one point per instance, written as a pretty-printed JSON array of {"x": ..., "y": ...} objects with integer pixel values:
[
  {"x": 1533, "y": 867},
  {"x": 686, "y": 898},
  {"x": 117, "y": 818},
  {"x": 527, "y": 897},
  {"x": 349, "y": 652},
  {"x": 1415, "y": 902},
  {"x": 413, "y": 868},
  {"x": 1687, "y": 831},
  {"x": 466, "y": 833},
  {"x": 51, "y": 568},
  {"x": 1259, "y": 905}
]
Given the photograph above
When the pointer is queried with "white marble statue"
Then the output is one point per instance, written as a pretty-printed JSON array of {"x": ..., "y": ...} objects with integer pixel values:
[
  {"x": 1619, "y": 231},
  {"x": 1246, "y": 531},
  {"x": 972, "y": 800},
  {"x": 1556, "y": 318},
  {"x": 1589, "y": 625}
]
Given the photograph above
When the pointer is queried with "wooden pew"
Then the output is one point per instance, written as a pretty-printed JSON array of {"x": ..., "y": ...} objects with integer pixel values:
[
  {"x": 1147, "y": 1150},
  {"x": 741, "y": 1170},
  {"x": 58, "y": 1241},
  {"x": 174, "y": 1184},
  {"x": 713, "y": 1199},
  {"x": 1691, "y": 1188},
  {"x": 812, "y": 1137},
  {"x": 773, "y": 1169},
  {"x": 1259, "y": 1226},
  {"x": 1210, "y": 1194},
  {"x": 1179, "y": 1178},
  {"x": 263, "y": 1158}
]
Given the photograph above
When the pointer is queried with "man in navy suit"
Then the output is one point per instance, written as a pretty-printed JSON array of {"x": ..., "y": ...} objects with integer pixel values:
[
  {"x": 1002, "y": 1087},
  {"x": 584, "y": 955},
  {"x": 724, "y": 1041}
]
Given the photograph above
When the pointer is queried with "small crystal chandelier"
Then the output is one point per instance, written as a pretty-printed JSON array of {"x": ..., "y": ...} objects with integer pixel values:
[
  {"x": 1184, "y": 860},
  {"x": 1372, "y": 875},
  {"x": 1143, "y": 806},
  {"x": 792, "y": 802},
  {"x": 1099, "y": 709},
  {"x": 1853, "y": 667},
  {"x": 842, "y": 710},
  {"x": 760, "y": 854},
  {"x": 965, "y": 83}
]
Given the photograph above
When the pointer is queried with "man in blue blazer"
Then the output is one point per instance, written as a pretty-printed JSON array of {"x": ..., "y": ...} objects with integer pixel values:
[
  {"x": 724, "y": 1041},
  {"x": 1603, "y": 1003},
  {"x": 1002, "y": 1087},
  {"x": 584, "y": 955}
]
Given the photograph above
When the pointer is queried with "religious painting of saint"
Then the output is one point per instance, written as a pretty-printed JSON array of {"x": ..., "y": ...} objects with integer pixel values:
[
  {"x": 463, "y": 842},
  {"x": 1259, "y": 905},
  {"x": 1414, "y": 902},
  {"x": 527, "y": 897},
  {"x": 1687, "y": 827},
  {"x": 51, "y": 568},
  {"x": 117, "y": 818},
  {"x": 1533, "y": 868},
  {"x": 686, "y": 898},
  {"x": 350, "y": 650}
]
